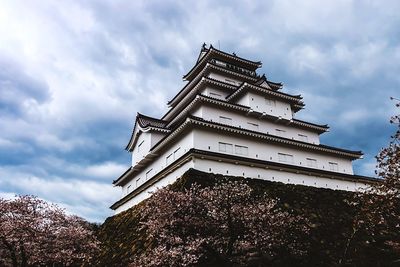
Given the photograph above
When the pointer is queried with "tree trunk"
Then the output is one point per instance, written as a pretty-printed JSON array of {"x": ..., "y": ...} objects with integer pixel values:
[
  {"x": 12, "y": 252},
  {"x": 231, "y": 234},
  {"x": 343, "y": 259},
  {"x": 24, "y": 262}
]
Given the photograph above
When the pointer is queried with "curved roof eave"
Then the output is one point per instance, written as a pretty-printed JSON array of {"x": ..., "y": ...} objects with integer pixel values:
[{"x": 253, "y": 65}]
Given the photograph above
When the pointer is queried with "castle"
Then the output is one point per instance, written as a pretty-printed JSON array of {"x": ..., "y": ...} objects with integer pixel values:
[{"x": 229, "y": 120}]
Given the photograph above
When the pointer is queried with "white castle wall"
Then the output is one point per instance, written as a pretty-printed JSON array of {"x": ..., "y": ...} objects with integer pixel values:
[
  {"x": 214, "y": 92},
  {"x": 264, "y": 150},
  {"x": 224, "y": 79},
  {"x": 213, "y": 113},
  {"x": 247, "y": 171},
  {"x": 269, "y": 105},
  {"x": 168, "y": 179},
  {"x": 198, "y": 112},
  {"x": 155, "y": 137},
  {"x": 232, "y": 169},
  {"x": 256, "y": 149},
  {"x": 142, "y": 147},
  {"x": 173, "y": 152}
]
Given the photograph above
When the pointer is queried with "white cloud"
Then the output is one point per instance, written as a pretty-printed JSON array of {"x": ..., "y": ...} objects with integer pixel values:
[
  {"x": 316, "y": 103},
  {"x": 368, "y": 167},
  {"x": 308, "y": 58},
  {"x": 351, "y": 116},
  {"x": 76, "y": 194},
  {"x": 109, "y": 170},
  {"x": 7, "y": 195}
]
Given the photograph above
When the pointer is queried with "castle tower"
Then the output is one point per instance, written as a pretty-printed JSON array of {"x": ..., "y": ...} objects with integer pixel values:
[{"x": 229, "y": 120}]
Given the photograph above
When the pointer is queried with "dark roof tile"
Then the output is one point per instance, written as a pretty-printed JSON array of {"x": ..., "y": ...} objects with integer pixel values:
[{"x": 145, "y": 121}]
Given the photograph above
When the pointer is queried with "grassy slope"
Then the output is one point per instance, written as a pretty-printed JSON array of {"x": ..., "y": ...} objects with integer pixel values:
[{"x": 328, "y": 211}]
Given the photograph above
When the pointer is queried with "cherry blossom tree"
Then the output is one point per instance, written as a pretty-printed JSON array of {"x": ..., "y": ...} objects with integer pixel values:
[
  {"x": 378, "y": 219},
  {"x": 388, "y": 167},
  {"x": 36, "y": 233},
  {"x": 383, "y": 205},
  {"x": 224, "y": 224}
]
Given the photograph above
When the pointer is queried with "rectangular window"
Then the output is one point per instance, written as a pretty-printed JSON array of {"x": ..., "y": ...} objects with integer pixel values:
[
  {"x": 333, "y": 166},
  {"x": 149, "y": 173},
  {"x": 169, "y": 159},
  {"x": 128, "y": 189},
  {"x": 252, "y": 126},
  {"x": 225, "y": 120},
  {"x": 225, "y": 147},
  {"x": 241, "y": 150},
  {"x": 230, "y": 81},
  {"x": 312, "y": 163},
  {"x": 220, "y": 63},
  {"x": 139, "y": 146},
  {"x": 303, "y": 137},
  {"x": 137, "y": 181},
  {"x": 285, "y": 157},
  {"x": 176, "y": 153},
  {"x": 270, "y": 102},
  {"x": 212, "y": 94},
  {"x": 280, "y": 132}
]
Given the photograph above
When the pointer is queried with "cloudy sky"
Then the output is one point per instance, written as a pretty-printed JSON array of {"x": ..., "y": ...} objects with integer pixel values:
[{"x": 73, "y": 74}]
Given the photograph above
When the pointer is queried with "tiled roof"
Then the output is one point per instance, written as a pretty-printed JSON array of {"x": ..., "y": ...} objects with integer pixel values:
[
  {"x": 213, "y": 52},
  {"x": 295, "y": 99},
  {"x": 322, "y": 126},
  {"x": 257, "y": 64},
  {"x": 145, "y": 121},
  {"x": 199, "y": 79},
  {"x": 273, "y": 85}
]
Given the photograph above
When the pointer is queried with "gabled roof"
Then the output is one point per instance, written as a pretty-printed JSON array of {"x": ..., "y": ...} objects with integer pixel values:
[
  {"x": 208, "y": 67},
  {"x": 198, "y": 98},
  {"x": 199, "y": 78},
  {"x": 255, "y": 64},
  {"x": 296, "y": 100},
  {"x": 271, "y": 85},
  {"x": 146, "y": 122},
  {"x": 322, "y": 127},
  {"x": 206, "y": 81},
  {"x": 245, "y": 85},
  {"x": 203, "y": 51},
  {"x": 208, "y": 53}
]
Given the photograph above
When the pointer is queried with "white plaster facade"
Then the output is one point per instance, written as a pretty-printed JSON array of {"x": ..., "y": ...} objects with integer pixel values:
[
  {"x": 232, "y": 122},
  {"x": 244, "y": 121}
]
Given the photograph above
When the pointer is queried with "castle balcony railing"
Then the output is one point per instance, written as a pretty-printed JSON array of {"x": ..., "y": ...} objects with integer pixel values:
[{"x": 234, "y": 68}]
